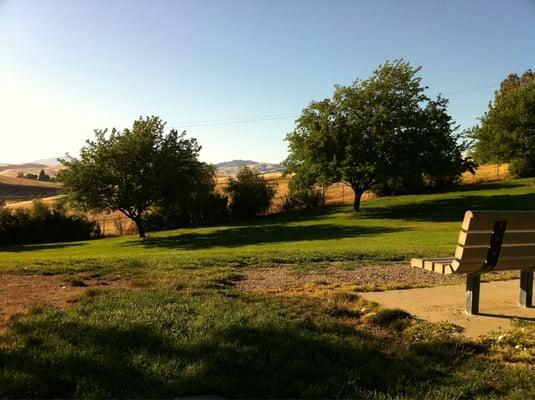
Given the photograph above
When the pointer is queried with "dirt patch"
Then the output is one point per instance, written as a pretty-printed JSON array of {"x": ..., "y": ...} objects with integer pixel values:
[
  {"x": 20, "y": 292},
  {"x": 376, "y": 277},
  {"x": 361, "y": 278}
]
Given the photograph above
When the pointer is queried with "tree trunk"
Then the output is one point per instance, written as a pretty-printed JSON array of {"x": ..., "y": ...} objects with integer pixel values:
[
  {"x": 356, "y": 201},
  {"x": 140, "y": 227}
]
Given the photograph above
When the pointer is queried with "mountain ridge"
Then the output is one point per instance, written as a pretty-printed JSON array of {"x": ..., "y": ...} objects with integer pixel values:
[
  {"x": 232, "y": 167},
  {"x": 223, "y": 168}
]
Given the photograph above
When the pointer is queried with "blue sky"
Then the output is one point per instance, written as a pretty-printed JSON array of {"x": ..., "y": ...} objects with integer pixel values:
[{"x": 67, "y": 67}]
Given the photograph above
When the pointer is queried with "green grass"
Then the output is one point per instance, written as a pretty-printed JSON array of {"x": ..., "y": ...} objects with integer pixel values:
[
  {"x": 395, "y": 228},
  {"x": 205, "y": 338},
  {"x": 187, "y": 330}
]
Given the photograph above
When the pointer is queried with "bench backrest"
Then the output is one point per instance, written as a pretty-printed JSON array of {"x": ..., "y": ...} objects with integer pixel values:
[{"x": 496, "y": 241}]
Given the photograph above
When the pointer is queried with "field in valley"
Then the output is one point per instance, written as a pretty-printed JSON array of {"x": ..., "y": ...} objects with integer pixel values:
[
  {"x": 18, "y": 189},
  {"x": 113, "y": 224},
  {"x": 268, "y": 308}
]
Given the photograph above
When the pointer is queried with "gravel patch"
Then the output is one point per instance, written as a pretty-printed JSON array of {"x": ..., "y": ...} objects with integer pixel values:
[{"x": 364, "y": 278}]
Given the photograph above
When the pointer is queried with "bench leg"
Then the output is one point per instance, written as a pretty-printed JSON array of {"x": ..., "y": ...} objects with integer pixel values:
[
  {"x": 473, "y": 283},
  {"x": 526, "y": 288}
]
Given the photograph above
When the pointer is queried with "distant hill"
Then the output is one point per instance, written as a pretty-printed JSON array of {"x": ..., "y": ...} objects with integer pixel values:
[
  {"x": 13, "y": 170},
  {"x": 50, "y": 162},
  {"x": 232, "y": 167},
  {"x": 34, "y": 165},
  {"x": 17, "y": 189},
  {"x": 52, "y": 167}
]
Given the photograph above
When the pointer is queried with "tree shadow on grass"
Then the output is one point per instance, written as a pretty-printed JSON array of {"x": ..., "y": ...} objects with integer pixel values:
[
  {"x": 20, "y": 248},
  {"x": 468, "y": 187},
  {"x": 66, "y": 358},
  {"x": 450, "y": 210},
  {"x": 260, "y": 234}
]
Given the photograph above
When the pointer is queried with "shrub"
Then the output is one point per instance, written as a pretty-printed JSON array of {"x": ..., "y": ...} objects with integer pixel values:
[
  {"x": 394, "y": 318},
  {"x": 306, "y": 198},
  {"x": 43, "y": 224},
  {"x": 522, "y": 168},
  {"x": 210, "y": 209},
  {"x": 250, "y": 194}
]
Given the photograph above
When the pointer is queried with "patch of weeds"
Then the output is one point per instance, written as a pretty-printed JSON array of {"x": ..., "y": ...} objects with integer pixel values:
[
  {"x": 141, "y": 283},
  {"x": 75, "y": 281},
  {"x": 390, "y": 318},
  {"x": 36, "y": 309},
  {"x": 515, "y": 346},
  {"x": 86, "y": 295},
  {"x": 179, "y": 286},
  {"x": 223, "y": 280}
]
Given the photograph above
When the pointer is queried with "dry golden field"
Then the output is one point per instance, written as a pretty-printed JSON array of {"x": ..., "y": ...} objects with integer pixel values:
[
  {"x": 13, "y": 172},
  {"x": 18, "y": 189},
  {"x": 117, "y": 224}
]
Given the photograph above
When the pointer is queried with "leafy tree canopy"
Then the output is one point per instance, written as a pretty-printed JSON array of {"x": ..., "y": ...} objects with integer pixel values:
[
  {"x": 134, "y": 169},
  {"x": 376, "y": 129},
  {"x": 507, "y": 130},
  {"x": 250, "y": 194}
]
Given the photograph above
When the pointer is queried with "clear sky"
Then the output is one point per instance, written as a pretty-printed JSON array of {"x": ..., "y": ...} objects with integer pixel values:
[{"x": 235, "y": 74}]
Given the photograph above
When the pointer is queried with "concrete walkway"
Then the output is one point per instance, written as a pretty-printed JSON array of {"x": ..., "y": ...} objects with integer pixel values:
[{"x": 498, "y": 305}]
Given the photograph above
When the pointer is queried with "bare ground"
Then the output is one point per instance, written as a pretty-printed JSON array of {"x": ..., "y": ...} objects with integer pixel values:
[
  {"x": 430, "y": 296},
  {"x": 374, "y": 277},
  {"x": 362, "y": 278},
  {"x": 18, "y": 293}
]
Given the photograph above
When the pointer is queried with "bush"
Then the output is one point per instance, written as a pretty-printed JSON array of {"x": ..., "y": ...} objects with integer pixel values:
[
  {"x": 43, "y": 224},
  {"x": 211, "y": 209},
  {"x": 306, "y": 198},
  {"x": 250, "y": 194},
  {"x": 522, "y": 168}
]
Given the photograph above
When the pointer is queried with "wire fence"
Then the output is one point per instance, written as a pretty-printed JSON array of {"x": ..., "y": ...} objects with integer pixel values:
[{"x": 488, "y": 173}]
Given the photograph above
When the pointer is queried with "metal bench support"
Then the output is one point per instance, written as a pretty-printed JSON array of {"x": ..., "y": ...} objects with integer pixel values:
[
  {"x": 473, "y": 283},
  {"x": 526, "y": 288}
]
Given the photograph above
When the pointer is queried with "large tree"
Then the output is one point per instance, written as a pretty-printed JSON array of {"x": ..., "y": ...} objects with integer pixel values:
[
  {"x": 507, "y": 130},
  {"x": 376, "y": 129},
  {"x": 134, "y": 169}
]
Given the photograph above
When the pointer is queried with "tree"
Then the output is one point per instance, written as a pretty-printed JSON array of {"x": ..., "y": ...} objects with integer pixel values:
[
  {"x": 507, "y": 130},
  {"x": 203, "y": 205},
  {"x": 133, "y": 170},
  {"x": 250, "y": 194},
  {"x": 43, "y": 176},
  {"x": 374, "y": 130}
]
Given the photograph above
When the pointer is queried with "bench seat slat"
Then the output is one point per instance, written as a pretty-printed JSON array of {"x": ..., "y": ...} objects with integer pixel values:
[
  {"x": 482, "y": 238},
  {"x": 484, "y": 220},
  {"x": 479, "y": 253},
  {"x": 440, "y": 265}
]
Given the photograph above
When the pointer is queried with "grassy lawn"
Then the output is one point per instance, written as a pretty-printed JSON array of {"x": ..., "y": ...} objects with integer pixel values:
[
  {"x": 394, "y": 228},
  {"x": 186, "y": 329}
]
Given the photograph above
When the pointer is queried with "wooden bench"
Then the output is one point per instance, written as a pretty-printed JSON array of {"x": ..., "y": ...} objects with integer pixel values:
[{"x": 490, "y": 241}]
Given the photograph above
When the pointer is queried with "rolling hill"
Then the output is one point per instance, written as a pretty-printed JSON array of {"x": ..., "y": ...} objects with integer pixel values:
[
  {"x": 50, "y": 166},
  {"x": 231, "y": 168},
  {"x": 19, "y": 189}
]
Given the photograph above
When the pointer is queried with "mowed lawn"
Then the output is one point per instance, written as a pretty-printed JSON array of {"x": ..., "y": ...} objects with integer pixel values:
[
  {"x": 392, "y": 228},
  {"x": 180, "y": 326}
]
